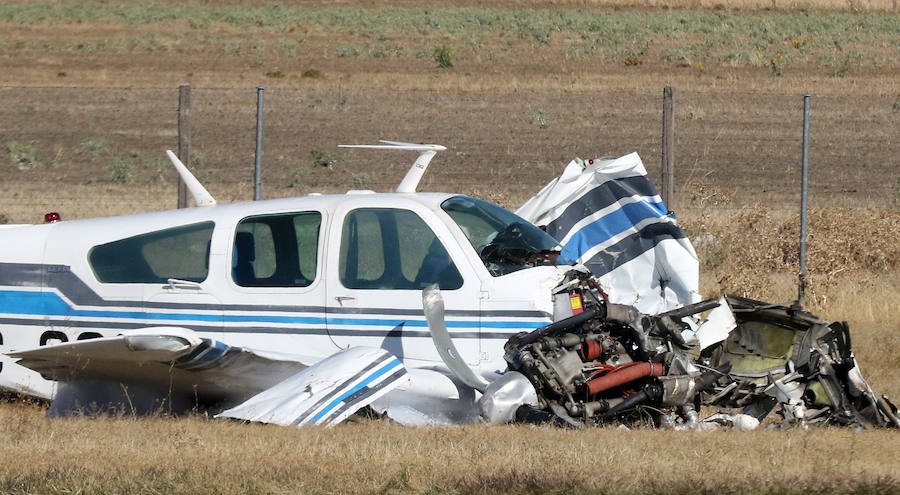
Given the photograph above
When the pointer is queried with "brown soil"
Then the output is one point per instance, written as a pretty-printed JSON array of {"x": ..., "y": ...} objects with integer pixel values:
[{"x": 511, "y": 122}]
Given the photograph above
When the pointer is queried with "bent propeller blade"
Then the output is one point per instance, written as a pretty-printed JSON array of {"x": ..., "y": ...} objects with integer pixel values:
[{"x": 433, "y": 303}]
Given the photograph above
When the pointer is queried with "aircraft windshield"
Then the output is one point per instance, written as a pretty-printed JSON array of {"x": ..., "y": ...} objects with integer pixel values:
[{"x": 504, "y": 241}]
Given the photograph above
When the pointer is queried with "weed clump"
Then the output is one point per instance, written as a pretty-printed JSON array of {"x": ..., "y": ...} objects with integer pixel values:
[
  {"x": 121, "y": 171},
  {"x": 22, "y": 156},
  {"x": 443, "y": 56},
  {"x": 298, "y": 176},
  {"x": 541, "y": 119},
  {"x": 361, "y": 180},
  {"x": 347, "y": 51},
  {"x": 897, "y": 191},
  {"x": 326, "y": 158},
  {"x": 92, "y": 145}
]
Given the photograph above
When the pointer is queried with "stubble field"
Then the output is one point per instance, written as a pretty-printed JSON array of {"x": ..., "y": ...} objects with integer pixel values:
[{"x": 88, "y": 100}]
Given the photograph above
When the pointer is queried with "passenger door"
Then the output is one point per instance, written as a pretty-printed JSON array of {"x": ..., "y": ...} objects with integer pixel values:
[
  {"x": 273, "y": 293},
  {"x": 384, "y": 258},
  {"x": 181, "y": 290}
]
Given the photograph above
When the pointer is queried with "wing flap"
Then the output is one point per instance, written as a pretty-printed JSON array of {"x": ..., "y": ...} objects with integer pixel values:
[{"x": 327, "y": 392}]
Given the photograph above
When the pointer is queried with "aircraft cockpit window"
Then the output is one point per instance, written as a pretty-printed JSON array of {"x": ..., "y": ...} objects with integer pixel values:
[
  {"x": 154, "y": 257},
  {"x": 383, "y": 248},
  {"x": 276, "y": 250},
  {"x": 504, "y": 241}
]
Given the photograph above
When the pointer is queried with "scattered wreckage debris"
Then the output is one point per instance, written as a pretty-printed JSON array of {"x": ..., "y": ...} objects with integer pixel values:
[{"x": 608, "y": 363}]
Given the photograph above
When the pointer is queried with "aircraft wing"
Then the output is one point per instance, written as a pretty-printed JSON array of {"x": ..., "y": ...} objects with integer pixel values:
[
  {"x": 171, "y": 359},
  {"x": 148, "y": 369}
]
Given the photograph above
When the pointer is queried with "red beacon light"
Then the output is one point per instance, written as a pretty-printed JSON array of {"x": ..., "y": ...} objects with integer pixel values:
[{"x": 52, "y": 217}]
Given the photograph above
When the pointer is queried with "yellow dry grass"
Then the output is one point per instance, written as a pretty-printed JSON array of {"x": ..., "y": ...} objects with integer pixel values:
[{"x": 195, "y": 455}]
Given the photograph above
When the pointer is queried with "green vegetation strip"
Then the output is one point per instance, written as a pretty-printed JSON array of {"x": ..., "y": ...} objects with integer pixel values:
[{"x": 538, "y": 23}]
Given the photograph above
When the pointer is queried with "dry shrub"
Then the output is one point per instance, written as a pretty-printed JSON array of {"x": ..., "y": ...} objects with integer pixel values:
[
  {"x": 749, "y": 251},
  {"x": 703, "y": 193},
  {"x": 851, "y": 240}
]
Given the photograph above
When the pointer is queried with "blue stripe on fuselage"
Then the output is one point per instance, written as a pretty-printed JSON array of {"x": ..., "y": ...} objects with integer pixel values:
[{"x": 51, "y": 304}]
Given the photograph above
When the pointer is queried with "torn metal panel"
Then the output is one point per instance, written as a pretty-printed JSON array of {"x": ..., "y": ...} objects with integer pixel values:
[
  {"x": 608, "y": 216},
  {"x": 799, "y": 361},
  {"x": 327, "y": 392}
]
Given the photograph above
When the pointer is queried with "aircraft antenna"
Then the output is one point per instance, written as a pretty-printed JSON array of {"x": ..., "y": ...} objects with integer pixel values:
[
  {"x": 202, "y": 197},
  {"x": 412, "y": 178}
]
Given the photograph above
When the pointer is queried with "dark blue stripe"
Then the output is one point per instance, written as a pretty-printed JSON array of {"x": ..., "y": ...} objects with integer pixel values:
[
  {"x": 632, "y": 246},
  {"x": 606, "y": 227},
  {"x": 598, "y": 198},
  {"x": 50, "y": 304},
  {"x": 380, "y": 371},
  {"x": 307, "y": 320},
  {"x": 366, "y": 392},
  {"x": 424, "y": 324},
  {"x": 385, "y": 356}
]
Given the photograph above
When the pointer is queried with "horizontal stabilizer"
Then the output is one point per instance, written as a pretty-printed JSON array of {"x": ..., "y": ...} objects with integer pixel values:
[
  {"x": 415, "y": 173},
  {"x": 327, "y": 392}
]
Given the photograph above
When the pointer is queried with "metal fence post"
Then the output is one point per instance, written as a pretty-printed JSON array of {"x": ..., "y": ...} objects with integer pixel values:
[
  {"x": 184, "y": 138},
  {"x": 257, "y": 169},
  {"x": 804, "y": 191},
  {"x": 668, "y": 148}
]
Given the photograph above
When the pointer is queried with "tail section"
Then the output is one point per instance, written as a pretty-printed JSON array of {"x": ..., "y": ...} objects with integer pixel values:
[{"x": 414, "y": 176}]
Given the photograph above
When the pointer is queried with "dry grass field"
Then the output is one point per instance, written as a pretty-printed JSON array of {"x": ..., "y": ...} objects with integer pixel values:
[
  {"x": 515, "y": 89},
  {"x": 198, "y": 456}
]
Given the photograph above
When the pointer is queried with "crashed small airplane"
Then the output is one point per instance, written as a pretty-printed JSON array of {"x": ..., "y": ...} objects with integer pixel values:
[{"x": 428, "y": 308}]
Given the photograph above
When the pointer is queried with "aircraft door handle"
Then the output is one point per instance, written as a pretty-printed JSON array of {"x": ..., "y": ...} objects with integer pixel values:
[
  {"x": 342, "y": 299},
  {"x": 174, "y": 283}
]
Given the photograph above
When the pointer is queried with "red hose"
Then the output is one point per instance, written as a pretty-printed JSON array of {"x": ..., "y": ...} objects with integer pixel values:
[
  {"x": 622, "y": 375},
  {"x": 591, "y": 350}
]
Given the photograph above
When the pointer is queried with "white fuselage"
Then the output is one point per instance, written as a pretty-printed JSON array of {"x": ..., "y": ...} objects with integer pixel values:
[{"x": 52, "y": 289}]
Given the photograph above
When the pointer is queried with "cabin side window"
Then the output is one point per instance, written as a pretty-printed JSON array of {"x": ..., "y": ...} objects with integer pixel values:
[
  {"x": 276, "y": 250},
  {"x": 180, "y": 253},
  {"x": 384, "y": 248}
]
